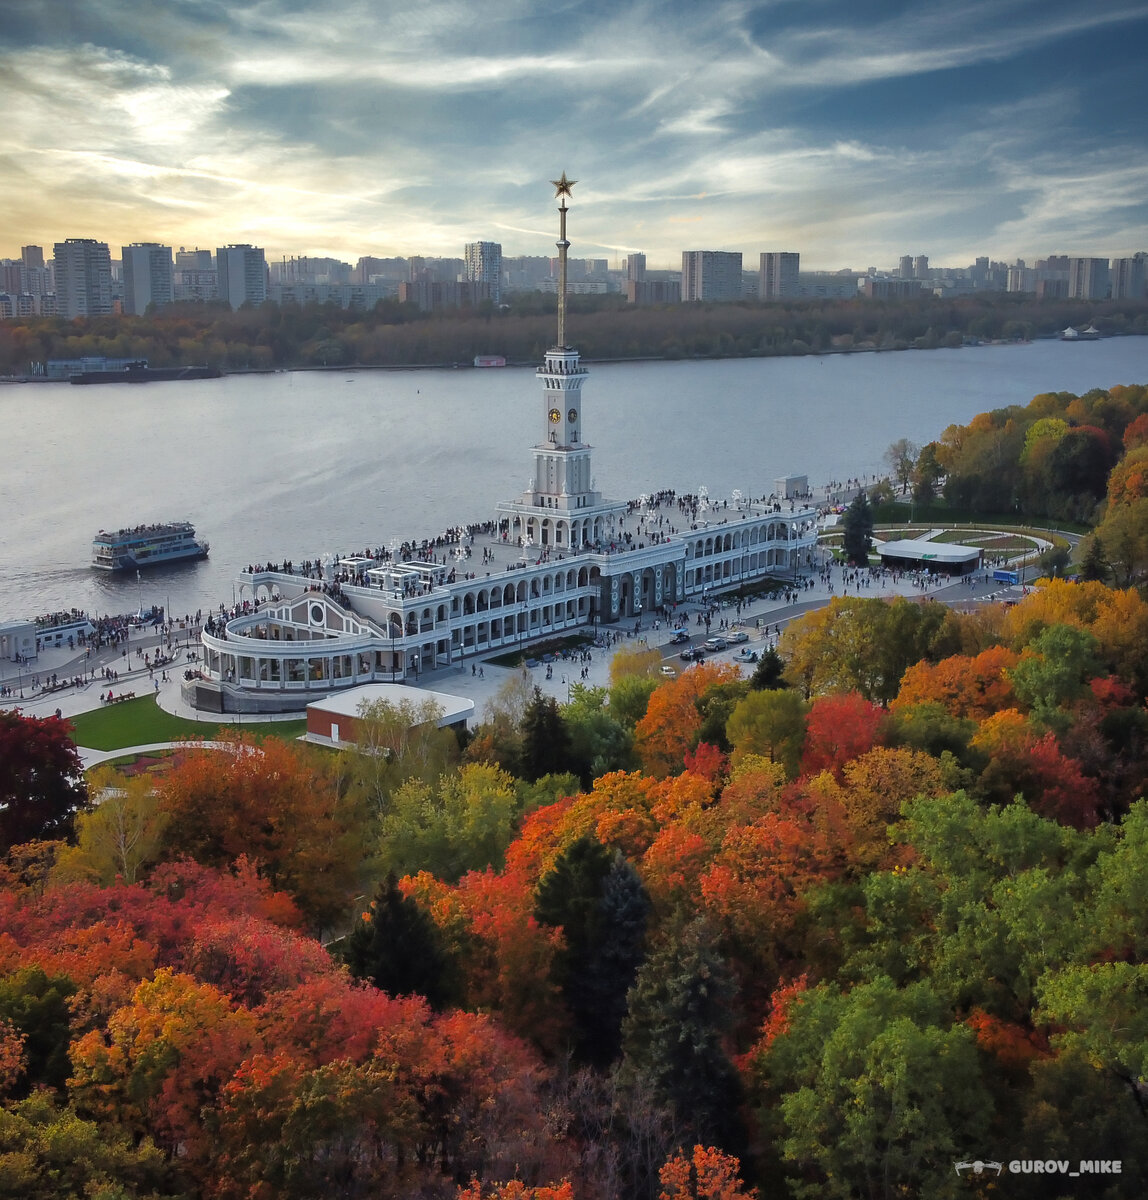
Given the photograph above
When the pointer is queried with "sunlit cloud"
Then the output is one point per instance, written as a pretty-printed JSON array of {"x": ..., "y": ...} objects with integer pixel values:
[{"x": 415, "y": 126}]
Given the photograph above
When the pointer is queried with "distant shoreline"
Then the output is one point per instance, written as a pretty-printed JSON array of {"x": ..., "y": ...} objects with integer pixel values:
[{"x": 354, "y": 368}]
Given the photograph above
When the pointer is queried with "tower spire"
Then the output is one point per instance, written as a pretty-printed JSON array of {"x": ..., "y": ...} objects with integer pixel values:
[{"x": 562, "y": 187}]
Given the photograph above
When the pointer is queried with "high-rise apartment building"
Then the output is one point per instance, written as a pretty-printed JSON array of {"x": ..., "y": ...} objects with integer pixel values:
[
  {"x": 711, "y": 275},
  {"x": 1087, "y": 278},
  {"x": 777, "y": 275},
  {"x": 905, "y": 267},
  {"x": 636, "y": 268},
  {"x": 921, "y": 266},
  {"x": 484, "y": 265},
  {"x": 147, "y": 277},
  {"x": 193, "y": 260},
  {"x": 241, "y": 275},
  {"x": 1129, "y": 277},
  {"x": 83, "y": 269}
]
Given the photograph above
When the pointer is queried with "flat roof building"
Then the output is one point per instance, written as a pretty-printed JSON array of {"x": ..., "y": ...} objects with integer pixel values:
[
  {"x": 83, "y": 272},
  {"x": 713, "y": 275}
]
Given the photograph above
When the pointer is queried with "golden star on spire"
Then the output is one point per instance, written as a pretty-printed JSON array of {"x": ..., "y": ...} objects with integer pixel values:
[{"x": 563, "y": 185}]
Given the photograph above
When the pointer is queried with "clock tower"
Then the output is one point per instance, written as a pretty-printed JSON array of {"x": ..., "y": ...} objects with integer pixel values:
[{"x": 561, "y": 480}]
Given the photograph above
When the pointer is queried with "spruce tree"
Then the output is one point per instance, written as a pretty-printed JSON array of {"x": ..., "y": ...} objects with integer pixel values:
[
  {"x": 398, "y": 948},
  {"x": 673, "y": 1038},
  {"x": 857, "y": 530},
  {"x": 1094, "y": 566},
  {"x": 599, "y": 902},
  {"x": 545, "y": 739}
]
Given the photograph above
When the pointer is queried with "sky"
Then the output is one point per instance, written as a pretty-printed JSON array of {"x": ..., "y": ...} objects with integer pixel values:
[{"x": 851, "y": 131}]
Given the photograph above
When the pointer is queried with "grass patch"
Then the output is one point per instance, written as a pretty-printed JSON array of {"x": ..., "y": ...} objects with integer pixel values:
[{"x": 141, "y": 722}]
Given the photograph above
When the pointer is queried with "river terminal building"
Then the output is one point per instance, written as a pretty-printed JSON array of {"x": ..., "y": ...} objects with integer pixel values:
[{"x": 558, "y": 558}]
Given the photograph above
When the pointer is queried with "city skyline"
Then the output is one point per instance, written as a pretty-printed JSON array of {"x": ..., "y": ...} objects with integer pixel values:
[{"x": 1013, "y": 129}]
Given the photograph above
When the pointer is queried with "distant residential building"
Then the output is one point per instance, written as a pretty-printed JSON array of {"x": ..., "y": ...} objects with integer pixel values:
[
  {"x": 484, "y": 265},
  {"x": 1129, "y": 277},
  {"x": 83, "y": 272},
  {"x": 1088, "y": 278},
  {"x": 242, "y": 275},
  {"x": 32, "y": 256},
  {"x": 891, "y": 289},
  {"x": 635, "y": 268},
  {"x": 194, "y": 260},
  {"x": 778, "y": 274},
  {"x": 825, "y": 285},
  {"x": 921, "y": 266},
  {"x": 713, "y": 275},
  {"x": 654, "y": 291},
  {"x": 147, "y": 277},
  {"x": 1052, "y": 289},
  {"x": 525, "y": 272},
  {"x": 197, "y": 286},
  {"x": 432, "y": 295},
  {"x": 11, "y": 271},
  {"x": 360, "y": 297},
  {"x": 305, "y": 269},
  {"x": 905, "y": 267}
]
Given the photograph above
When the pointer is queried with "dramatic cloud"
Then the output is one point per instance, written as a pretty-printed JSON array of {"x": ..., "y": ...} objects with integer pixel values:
[{"x": 851, "y": 133}]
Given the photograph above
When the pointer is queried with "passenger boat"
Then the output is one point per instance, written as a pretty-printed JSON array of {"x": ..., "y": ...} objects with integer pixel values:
[{"x": 146, "y": 546}]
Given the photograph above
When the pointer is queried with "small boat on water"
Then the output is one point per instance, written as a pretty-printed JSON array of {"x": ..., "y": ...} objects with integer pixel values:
[{"x": 146, "y": 546}]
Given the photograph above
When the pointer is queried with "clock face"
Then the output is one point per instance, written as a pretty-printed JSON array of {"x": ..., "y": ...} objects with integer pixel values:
[
  {"x": 555, "y": 415},
  {"x": 572, "y": 415}
]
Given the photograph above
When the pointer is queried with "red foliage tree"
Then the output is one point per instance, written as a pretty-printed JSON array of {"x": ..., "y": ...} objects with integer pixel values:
[
  {"x": 41, "y": 779},
  {"x": 840, "y": 726}
]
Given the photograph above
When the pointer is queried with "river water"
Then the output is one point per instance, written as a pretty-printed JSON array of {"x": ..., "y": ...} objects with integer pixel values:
[{"x": 300, "y": 464}]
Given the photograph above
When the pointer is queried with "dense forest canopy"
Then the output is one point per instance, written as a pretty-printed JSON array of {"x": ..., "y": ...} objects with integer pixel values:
[
  {"x": 822, "y": 932},
  {"x": 603, "y": 327}
]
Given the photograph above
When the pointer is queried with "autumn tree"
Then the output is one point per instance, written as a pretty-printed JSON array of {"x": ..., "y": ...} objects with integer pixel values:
[
  {"x": 838, "y": 728},
  {"x": 704, "y": 1174},
  {"x": 121, "y": 835},
  {"x": 672, "y": 721},
  {"x": 771, "y": 725},
  {"x": 276, "y": 805},
  {"x": 864, "y": 645},
  {"x": 41, "y": 779},
  {"x": 463, "y": 822}
]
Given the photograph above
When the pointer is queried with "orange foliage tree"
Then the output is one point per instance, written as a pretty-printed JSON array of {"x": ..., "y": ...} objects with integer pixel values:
[
  {"x": 276, "y": 805},
  {"x": 705, "y": 1174},
  {"x": 671, "y": 724},
  {"x": 974, "y": 687}
]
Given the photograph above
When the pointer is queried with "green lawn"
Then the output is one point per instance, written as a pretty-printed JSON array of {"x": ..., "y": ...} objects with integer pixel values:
[{"x": 142, "y": 722}]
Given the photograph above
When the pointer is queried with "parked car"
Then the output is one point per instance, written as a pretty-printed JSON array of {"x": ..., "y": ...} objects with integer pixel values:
[
  {"x": 669, "y": 671},
  {"x": 745, "y": 655},
  {"x": 736, "y": 636}
]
